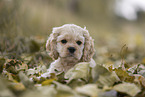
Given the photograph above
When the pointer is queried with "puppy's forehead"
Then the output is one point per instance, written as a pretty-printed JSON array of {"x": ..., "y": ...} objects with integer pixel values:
[
  {"x": 71, "y": 36},
  {"x": 73, "y": 30}
]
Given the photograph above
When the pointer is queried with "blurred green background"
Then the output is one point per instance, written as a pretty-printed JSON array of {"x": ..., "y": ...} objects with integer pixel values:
[{"x": 26, "y": 24}]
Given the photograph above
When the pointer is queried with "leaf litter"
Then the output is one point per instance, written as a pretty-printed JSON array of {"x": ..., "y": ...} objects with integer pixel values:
[{"x": 21, "y": 76}]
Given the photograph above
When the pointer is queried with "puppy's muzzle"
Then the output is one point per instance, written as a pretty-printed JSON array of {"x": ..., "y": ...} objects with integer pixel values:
[{"x": 71, "y": 49}]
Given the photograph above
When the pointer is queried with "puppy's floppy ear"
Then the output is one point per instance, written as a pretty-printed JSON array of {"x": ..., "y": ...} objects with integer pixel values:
[
  {"x": 52, "y": 42},
  {"x": 89, "y": 50}
]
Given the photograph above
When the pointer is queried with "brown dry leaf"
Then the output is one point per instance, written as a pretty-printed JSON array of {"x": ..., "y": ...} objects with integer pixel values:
[
  {"x": 17, "y": 87},
  {"x": 124, "y": 76},
  {"x": 142, "y": 81},
  {"x": 2, "y": 61}
]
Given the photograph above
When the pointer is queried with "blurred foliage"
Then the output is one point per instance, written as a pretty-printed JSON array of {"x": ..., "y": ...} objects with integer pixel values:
[
  {"x": 118, "y": 82},
  {"x": 24, "y": 28}
]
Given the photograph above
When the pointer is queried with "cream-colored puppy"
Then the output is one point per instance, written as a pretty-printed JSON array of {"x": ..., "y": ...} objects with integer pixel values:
[{"x": 69, "y": 45}]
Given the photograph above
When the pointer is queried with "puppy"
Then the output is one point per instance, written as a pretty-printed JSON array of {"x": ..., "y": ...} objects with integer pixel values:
[{"x": 69, "y": 45}]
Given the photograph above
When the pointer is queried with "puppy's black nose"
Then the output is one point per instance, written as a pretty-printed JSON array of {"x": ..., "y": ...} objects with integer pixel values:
[{"x": 71, "y": 49}]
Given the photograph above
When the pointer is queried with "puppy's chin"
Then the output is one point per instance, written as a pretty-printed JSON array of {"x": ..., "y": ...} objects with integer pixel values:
[
  {"x": 70, "y": 60},
  {"x": 71, "y": 57}
]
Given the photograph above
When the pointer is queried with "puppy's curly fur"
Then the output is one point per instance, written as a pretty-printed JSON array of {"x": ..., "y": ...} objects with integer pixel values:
[{"x": 69, "y": 45}]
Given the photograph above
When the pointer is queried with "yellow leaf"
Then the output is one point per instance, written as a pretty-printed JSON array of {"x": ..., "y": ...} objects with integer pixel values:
[
  {"x": 47, "y": 82},
  {"x": 17, "y": 87},
  {"x": 143, "y": 60},
  {"x": 110, "y": 68}
]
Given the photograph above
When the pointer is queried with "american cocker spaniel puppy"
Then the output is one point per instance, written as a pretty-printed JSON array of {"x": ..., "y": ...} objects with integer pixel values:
[{"x": 69, "y": 45}]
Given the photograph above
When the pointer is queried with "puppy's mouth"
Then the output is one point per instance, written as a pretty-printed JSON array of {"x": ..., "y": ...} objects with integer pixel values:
[{"x": 70, "y": 56}]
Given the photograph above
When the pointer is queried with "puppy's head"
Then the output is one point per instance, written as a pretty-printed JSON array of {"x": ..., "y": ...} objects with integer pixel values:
[{"x": 71, "y": 42}]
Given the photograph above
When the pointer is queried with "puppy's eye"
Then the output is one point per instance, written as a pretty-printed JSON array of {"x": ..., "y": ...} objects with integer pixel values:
[
  {"x": 79, "y": 42},
  {"x": 64, "y": 41}
]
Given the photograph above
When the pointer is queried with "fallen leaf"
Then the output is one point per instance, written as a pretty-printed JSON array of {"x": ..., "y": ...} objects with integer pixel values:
[
  {"x": 128, "y": 88},
  {"x": 88, "y": 90},
  {"x": 47, "y": 82},
  {"x": 2, "y": 61},
  {"x": 111, "y": 93},
  {"x": 80, "y": 70},
  {"x": 124, "y": 76},
  {"x": 97, "y": 71},
  {"x": 17, "y": 87},
  {"x": 25, "y": 80},
  {"x": 64, "y": 90},
  {"x": 107, "y": 79},
  {"x": 4, "y": 90}
]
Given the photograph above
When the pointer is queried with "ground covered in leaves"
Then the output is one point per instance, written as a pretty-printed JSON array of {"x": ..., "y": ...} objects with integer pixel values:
[
  {"x": 24, "y": 29},
  {"x": 23, "y": 61}
]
